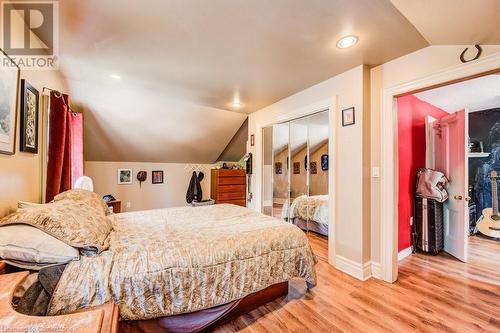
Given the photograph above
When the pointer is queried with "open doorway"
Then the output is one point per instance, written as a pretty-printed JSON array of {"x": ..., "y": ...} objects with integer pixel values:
[{"x": 454, "y": 129}]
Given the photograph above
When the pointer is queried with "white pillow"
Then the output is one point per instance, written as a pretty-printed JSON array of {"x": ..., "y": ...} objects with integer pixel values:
[{"x": 21, "y": 242}]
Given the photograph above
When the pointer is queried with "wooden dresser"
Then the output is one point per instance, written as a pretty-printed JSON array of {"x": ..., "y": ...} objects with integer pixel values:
[{"x": 228, "y": 186}]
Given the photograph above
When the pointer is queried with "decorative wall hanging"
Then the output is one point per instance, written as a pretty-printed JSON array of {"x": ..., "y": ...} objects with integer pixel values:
[
  {"x": 141, "y": 177},
  {"x": 314, "y": 168},
  {"x": 479, "y": 50},
  {"x": 296, "y": 168},
  {"x": 157, "y": 176},
  {"x": 9, "y": 82},
  {"x": 278, "y": 168},
  {"x": 324, "y": 162},
  {"x": 29, "y": 118},
  {"x": 124, "y": 176},
  {"x": 348, "y": 117}
]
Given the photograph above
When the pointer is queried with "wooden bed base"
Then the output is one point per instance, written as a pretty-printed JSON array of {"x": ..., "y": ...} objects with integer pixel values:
[{"x": 224, "y": 313}]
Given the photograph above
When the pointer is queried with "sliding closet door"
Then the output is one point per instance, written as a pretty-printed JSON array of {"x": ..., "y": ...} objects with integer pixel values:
[
  {"x": 317, "y": 224},
  {"x": 281, "y": 171},
  {"x": 267, "y": 181},
  {"x": 299, "y": 182}
]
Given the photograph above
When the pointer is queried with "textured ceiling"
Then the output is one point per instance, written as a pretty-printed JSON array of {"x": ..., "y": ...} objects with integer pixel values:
[
  {"x": 183, "y": 61},
  {"x": 478, "y": 94},
  {"x": 454, "y": 22}
]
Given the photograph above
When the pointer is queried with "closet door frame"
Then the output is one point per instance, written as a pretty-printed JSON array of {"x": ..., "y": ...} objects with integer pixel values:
[{"x": 331, "y": 105}]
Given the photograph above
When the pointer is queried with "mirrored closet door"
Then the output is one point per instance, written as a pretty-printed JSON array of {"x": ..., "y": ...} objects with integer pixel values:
[{"x": 296, "y": 167}]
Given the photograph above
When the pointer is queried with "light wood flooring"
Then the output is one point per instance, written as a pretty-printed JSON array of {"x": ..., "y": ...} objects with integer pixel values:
[{"x": 432, "y": 294}]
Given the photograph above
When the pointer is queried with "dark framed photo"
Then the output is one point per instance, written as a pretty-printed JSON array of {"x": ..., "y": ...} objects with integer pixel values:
[
  {"x": 324, "y": 162},
  {"x": 29, "y": 118},
  {"x": 348, "y": 117},
  {"x": 296, "y": 168},
  {"x": 314, "y": 168},
  {"x": 278, "y": 168},
  {"x": 157, "y": 176},
  {"x": 9, "y": 83}
]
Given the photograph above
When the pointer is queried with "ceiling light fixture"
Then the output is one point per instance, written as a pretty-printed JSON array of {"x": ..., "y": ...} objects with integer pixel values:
[
  {"x": 236, "y": 104},
  {"x": 347, "y": 41},
  {"x": 115, "y": 76}
]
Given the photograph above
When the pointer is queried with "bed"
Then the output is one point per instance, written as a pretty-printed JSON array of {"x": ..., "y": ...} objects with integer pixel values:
[
  {"x": 163, "y": 263},
  {"x": 308, "y": 213}
]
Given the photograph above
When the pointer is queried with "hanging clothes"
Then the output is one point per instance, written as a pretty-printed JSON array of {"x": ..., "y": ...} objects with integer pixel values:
[{"x": 194, "y": 192}]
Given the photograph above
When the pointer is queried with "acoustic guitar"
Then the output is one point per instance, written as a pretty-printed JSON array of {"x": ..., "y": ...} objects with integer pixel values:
[{"x": 489, "y": 224}]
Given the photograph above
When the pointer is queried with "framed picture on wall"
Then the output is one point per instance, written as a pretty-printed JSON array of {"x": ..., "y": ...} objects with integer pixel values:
[
  {"x": 9, "y": 80},
  {"x": 314, "y": 169},
  {"x": 324, "y": 162},
  {"x": 29, "y": 118},
  {"x": 296, "y": 168},
  {"x": 348, "y": 117},
  {"x": 157, "y": 177},
  {"x": 124, "y": 176},
  {"x": 278, "y": 168},
  {"x": 252, "y": 140}
]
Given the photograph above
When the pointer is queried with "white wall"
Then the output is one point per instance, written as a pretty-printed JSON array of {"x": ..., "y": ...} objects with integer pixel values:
[
  {"x": 412, "y": 67},
  {"x": 171, "y": 193},
  {"x": 346, "y": 156}
]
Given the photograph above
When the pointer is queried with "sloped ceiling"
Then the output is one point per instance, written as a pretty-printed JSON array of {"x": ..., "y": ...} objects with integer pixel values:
[
  {"x": 454, "y": 22},
  {"x": 181, "y": 63},
  {"x": 476, "y": 95}
]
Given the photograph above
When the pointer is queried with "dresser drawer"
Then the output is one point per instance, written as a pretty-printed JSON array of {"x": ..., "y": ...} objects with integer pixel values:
[
  {"x": 230, "y": 196},
  {"x": 231, "y": 173},
  {"x": 231, "y": 188},
  {"x": 234, "y": 202},
  {"x": 232, "y": 180}
]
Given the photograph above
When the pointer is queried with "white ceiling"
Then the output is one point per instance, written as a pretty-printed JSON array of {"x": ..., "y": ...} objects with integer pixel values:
[
  {"x": 183, "y": 61},
  {"x": 478, "y": 94},
  {"x": 454, "y": 22}
]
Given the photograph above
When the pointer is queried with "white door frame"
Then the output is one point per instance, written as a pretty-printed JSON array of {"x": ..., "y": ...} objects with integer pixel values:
[
  {"x": 389, "y": 161},
  {"x": 329, "y": 104}
]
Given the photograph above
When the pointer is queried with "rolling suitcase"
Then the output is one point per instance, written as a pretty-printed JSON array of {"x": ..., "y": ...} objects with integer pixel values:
[{"x": 428, "y": 225}]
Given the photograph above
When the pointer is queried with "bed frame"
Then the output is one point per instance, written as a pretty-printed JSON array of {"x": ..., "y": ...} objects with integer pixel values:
[{"x": 311, "y": 225}]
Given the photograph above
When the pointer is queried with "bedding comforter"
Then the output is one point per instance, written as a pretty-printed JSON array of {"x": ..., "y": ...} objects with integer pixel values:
[
  {"x": 314, "y": 207},
  {"x": 179, "y": 260}
]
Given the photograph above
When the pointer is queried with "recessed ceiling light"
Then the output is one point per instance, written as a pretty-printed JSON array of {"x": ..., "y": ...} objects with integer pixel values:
[
  {"x": 115, "y": 76},
  {"x": 347, "y": 41},
  {"x": 236, "y": 104}
]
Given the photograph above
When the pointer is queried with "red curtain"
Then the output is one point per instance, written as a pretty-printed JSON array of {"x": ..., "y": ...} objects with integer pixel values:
[{"x": 65, "y": 151}]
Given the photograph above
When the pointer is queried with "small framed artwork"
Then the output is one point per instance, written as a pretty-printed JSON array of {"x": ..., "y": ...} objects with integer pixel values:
[
  {"x": 9, "y": 82},
  {"x": 324, "y": 162},
  {"x": 124, "y": 176},
  {"x": 314, "y": 168},
  {"x": 278, "y": 168},
  {"x": 29, "y": 118},
  {"x": 296, "y": 168},
  {"x": 348, "y": 117},
  {"x": 157, "y": 177},
  {"x": 252, "y": 140}
]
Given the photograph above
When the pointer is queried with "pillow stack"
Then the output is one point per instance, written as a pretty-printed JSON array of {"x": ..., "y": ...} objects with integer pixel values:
[{"x": 53, "y": 233}]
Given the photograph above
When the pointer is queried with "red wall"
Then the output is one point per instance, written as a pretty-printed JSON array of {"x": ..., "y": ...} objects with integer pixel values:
[{"x": 411, "y": 152}]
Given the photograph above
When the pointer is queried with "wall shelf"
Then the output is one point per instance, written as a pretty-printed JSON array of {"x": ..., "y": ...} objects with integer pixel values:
[{"x": 474, "y": 155}]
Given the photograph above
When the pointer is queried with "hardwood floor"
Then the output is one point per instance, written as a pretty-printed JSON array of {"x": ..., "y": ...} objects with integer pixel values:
[
  {"x": 432, "y": 294},
  {"x": 319, "y": 244}
]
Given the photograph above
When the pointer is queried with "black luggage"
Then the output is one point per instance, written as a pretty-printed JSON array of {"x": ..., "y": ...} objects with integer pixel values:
[{"x": 428, "y": 234}]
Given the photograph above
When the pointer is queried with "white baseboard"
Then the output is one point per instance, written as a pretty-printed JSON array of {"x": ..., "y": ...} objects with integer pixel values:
[
  {"x": 404, "y": 253},
  {"x": 376, "y": 270},
  {"x": 360, "y": 271}
]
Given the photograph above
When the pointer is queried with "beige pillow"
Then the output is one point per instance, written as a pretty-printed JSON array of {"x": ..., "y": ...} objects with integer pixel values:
[
  {"x": 24, "y": 243},
  {"x": 76, "y": 223},
  {"x": 26, "y": 204},
  {"x": 89, "y": 198}
]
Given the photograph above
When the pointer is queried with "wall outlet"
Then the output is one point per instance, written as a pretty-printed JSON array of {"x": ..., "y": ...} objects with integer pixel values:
[
  {"x": 411, "y": 220},
  {"x": 128, "y": 204},
  {"x": 375, "y": 172}
]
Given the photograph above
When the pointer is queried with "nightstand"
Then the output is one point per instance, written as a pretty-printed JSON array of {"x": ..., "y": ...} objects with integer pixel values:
[
  {"x": 116, "y": 205},
  {"x": 102, "y": 319}
]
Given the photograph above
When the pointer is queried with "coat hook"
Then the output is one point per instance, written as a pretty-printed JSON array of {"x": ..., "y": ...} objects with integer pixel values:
[{"x": 479, "y": 51}]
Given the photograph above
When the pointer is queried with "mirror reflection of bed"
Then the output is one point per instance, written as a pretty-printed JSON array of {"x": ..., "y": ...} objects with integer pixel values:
[{"x": 296, "y": 176}]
